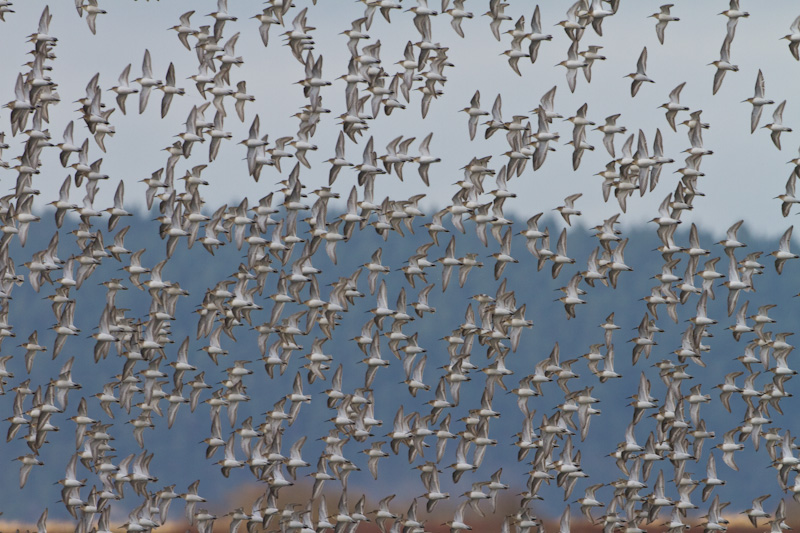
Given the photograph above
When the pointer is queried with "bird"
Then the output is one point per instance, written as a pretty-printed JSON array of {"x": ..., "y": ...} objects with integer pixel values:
[
  {"x": 123, "y": 89},
  {"x": 474, "y": 111},
  {"x": 723, "y": 64},
  {"x": 734, "y": 13},
  {"x": 640, "y": 76},
  {"x": 591, "y": 55},
  {"x": 758, "y": 101},
  {"x": 569, "y": 207},
  {"x": 663, "y": 17},
  {"x": 515, "y": 54},
  {"x": 169, "y": 89},
  {"x": 425, "y": 159},
  {"x": 788, "y": 198},
  {"x": 794, "y": 38},
  {"x": 783, "y": 253},
  {"x": 572, "y": 64},
  {"x": 537, "y": 35},
  {"x": 777, "y": 127},
  {"x": 673, "y": 106},
  {"x": 146, "y": 81},
  {"x": 92, "y": 10}
]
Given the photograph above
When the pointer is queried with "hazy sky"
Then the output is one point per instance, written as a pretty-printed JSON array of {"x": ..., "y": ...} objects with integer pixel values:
[{"x": 742, "y": 178}]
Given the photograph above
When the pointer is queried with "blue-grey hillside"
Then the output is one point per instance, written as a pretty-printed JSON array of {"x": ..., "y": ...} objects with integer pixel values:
[{"x": 179, "y": 454}]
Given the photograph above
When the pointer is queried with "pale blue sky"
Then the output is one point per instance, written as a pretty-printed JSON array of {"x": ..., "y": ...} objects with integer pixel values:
[{"x": 742, "y": 177}]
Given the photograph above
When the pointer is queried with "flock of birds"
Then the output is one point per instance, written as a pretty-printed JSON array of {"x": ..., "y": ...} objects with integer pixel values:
[{"x": 278, "y": 283}]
